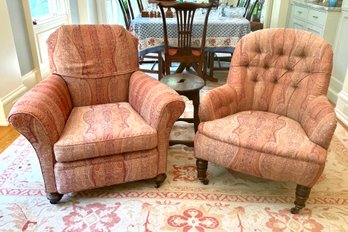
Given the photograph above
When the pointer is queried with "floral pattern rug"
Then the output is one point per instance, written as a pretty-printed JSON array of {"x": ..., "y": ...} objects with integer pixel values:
[{"x": 231, "y": 202}]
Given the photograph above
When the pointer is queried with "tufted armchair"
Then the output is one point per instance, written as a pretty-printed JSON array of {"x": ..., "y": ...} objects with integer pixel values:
[
  {"x": 272, "y": 119},
  {"x": 97, "y": 120}
]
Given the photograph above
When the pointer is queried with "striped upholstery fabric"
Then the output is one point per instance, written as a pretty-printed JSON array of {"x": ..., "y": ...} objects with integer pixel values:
[
  {"x": 92, "y": 58},
  {"x": 97, "y": 120},
  {"x": 272, "y": 119}
]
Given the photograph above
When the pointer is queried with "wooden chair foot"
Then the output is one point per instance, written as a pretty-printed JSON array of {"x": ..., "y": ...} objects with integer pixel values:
[
  {"x": 202, "y": 166},
  {"x": 302, "y": 194},
  {"x": 54, "y": 198},
  {"x": 159, "y": 179}
]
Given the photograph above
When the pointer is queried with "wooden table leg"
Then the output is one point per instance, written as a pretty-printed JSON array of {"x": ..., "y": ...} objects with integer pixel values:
[
  {"x": 211, "y": 63},
  {"x": 195, "y": 101},
  {"x": 209, "y": 77},
  {"x": 181, "y": 68}
]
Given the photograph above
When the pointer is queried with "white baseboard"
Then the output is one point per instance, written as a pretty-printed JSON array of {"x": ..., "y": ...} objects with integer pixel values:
[
  {"x": 30, "y": 79},
  {"x": 3, "y": 118},
  {"x": 45, "y": 71},
  {"x": 342, "y": 107},
  {"x": 332, "y": 95},
  {"x": 6, "y": 103},
  {"x": 334, "y": 88},
  {"x": 342, "y": 117}
]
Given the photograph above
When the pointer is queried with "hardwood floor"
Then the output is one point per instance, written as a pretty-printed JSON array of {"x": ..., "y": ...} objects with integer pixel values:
[{"x": 7, "y": 136}]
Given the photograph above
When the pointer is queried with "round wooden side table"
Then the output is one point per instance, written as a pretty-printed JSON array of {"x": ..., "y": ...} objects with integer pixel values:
[{"x": 186, "y": 84}]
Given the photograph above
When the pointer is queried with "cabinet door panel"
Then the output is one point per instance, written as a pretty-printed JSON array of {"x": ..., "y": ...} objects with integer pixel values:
[
  {"x": 317, "y": 17},
  {"x": 316, "y": 29},
  {"x": 300, "y": 12},
  {"x": 299, "y": 24}
]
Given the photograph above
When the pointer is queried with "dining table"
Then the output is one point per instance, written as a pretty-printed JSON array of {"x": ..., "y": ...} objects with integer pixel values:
[{"x": 223, "y": 33}]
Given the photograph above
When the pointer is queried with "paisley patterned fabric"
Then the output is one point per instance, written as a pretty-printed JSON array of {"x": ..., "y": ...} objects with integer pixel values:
[
  {"x": 40, "y": 115},
  {"x": 256, "y": 163},
  {"x": 278, "y": 70},
  {"x": 160, "y": 106},
  {"x": 105, "y": 171},
  {"x": 97, "y": 121},
  {"x": 93, "y": 57},
  {"x": 272, "y": 118},
  {"x": 100, "y": 130},
  {"x": 265, "y": 132},
  {"x": 260, "y": 136}
]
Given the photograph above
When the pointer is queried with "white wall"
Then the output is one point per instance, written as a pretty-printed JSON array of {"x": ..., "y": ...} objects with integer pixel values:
[
  {"x": 10, "y": 75},
  {"x": 279, "y": 13},
  {"x": 20, "y": 34},
  {"x": 87, "y": 10}
]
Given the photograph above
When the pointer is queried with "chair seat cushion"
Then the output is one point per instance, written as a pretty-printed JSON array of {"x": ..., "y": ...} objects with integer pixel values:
[
  {"x": 101, "y": 130},
  {"x": 173, "y": 51},
  {"x": 266, "y": 133}
]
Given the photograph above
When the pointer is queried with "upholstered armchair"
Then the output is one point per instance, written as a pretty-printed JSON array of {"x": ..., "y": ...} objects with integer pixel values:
[
  {"x": 272, "y": 118},
  {"x": 96, "y": 121}
]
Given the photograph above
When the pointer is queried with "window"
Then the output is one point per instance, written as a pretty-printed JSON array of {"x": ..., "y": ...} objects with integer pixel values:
[
  {"x": 113, "y": 10},
  {"x": 43, "y": 9}
]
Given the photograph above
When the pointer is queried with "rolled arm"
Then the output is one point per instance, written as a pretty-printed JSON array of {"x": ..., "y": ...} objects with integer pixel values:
[
  {"x": 40, "y": 115},
  {"x": 151, "y": 99},
  {"x": 218, "y": 103},
  {"x": 319, "y": 121},
  {"x": 159, "y": 105}
]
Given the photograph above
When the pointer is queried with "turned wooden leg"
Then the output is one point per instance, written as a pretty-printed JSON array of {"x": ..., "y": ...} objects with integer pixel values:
[
  {"x": 160, "y": 66},
  {"x": 202, "y": 166},
  {"x": 195, "y": 101},
  {"x": 54, "y": 197},
  {"x": 167, "y": 67},
  {"x": 302, "y": 194},
  {"x": 160, "y": 179}
]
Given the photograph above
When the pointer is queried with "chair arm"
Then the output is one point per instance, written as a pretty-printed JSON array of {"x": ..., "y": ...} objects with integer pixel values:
[
  {"x": 319, "y": 121},
  {"x": 40, "y": 115},
  {"x": 151, "y": 99},
  {"x": 160, "y": 106},
  {"x": 218, "y": 103}
]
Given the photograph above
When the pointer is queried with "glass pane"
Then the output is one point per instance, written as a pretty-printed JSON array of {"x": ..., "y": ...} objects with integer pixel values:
[{"x": 39, "y": 8}]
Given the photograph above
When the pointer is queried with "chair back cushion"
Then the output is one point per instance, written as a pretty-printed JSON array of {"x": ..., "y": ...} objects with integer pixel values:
[
  {"x": 96, "y": 61},
  {"x": 280, "y": 70}
]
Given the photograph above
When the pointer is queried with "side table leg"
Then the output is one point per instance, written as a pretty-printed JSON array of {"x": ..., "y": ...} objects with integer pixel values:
[{"x": 195, "y": 101}]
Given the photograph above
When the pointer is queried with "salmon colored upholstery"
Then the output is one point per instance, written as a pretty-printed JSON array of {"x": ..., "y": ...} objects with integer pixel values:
[
  {"x": 272, "y": 118},
  {"x": 97, "y": 120}
]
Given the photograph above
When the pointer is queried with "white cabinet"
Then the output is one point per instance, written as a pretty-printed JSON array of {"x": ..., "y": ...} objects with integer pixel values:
[
  {"x": 340, "y": 58},
  {"x": 300, "y": 12},
  {"x": 345, "y": 4},
  {"x": 299, "y": 24},
  {"x": 317, "y": 19}
]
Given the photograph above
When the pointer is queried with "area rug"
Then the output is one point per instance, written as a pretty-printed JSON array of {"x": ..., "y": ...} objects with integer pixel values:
[{"x": 231, "y": 202}]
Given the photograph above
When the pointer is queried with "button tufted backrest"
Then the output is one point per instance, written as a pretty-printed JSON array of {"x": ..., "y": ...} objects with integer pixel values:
[
  {"x": 96, "y": 61},
  {"x": 279, "y": 70}
]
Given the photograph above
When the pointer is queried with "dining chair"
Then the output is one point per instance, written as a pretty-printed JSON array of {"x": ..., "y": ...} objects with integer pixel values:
[
  {"x": 151, "y": 58},
  {"x": 242, "y": 3},
  {"x": 272, "y": 118},
  {"x": 250, "y": 9},
  {"x": 187, "y": 51},
  {"x": 226, "y": 56},
  {"x": 255, "y": 25},
  {"x": 140, "y": 5}
]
